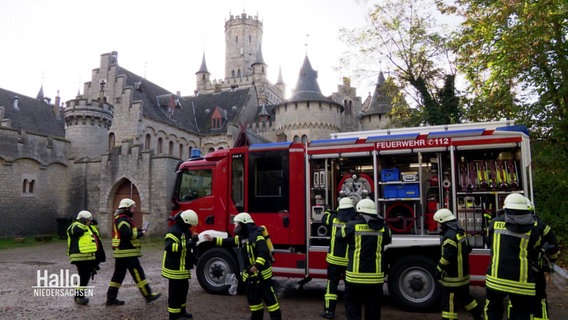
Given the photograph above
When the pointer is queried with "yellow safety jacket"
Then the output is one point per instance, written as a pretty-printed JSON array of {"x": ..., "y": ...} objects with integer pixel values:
[
  {"x": 366, "y": 247},
  {"x": 125, "y": 237},
  {"x": 178, "y": 257},
  {"x": 513, "y": 254},
  {"x": 337, "y": 253},
  {"x": 454, "y": 260},
  {"x": 81, "y": 244}
]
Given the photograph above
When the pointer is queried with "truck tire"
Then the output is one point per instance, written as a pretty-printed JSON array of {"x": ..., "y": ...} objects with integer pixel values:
[
  {"x": 212, "y": 270},
  {"x": 412, "y": 284}
]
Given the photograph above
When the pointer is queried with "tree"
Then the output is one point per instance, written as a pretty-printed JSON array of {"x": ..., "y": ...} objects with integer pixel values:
[
  {"x": 514, "y": 54},
  {"x": 403, "y": 32}
]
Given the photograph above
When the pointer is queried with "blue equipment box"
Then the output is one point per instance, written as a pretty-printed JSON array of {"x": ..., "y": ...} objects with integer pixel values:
[
  {"x": 401, "y": 191},
  {"x": 390, "y": 174}
]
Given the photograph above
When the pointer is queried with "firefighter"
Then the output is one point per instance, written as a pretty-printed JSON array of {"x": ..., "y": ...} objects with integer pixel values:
[
  {"x": 453, "y": 267},
  {"x": 82, "y": 248},
  {"x": 179, "y": 258},
  {"x": 547, "y": 256},
  {"x": 337, "y": 254},
  {"x": 126, "y": 250},
  {"x": 365, "y": 275},
  {"x": 515, "y": 244},
  {"x": 257, "y": 273}
]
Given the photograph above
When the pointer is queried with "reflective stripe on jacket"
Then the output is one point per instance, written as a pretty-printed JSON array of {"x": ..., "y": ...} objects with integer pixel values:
[
  {"x": 512, "y": 257},
  {"x": 81, "y": 244},
  {"x": 125, "y": 238}
]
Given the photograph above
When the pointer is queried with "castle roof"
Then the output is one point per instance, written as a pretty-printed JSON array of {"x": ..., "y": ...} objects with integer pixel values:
[
  {"x": 159, "y": 104},
  {"x": 381, "y": 101},
  {"x": 228, "y": 104},
  {"x": 307, "y": 87},
  {"x": 31, "y": 115},
  {"x": 203, "y": 67}
]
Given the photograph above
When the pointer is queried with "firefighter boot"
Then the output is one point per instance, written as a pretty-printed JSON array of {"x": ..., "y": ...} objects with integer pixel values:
[
  {"x": 80, "y": 298},
  {"x": 147, "y": 291},
  {"x": 476, "y": 313},
  {"x": 185, "y": 314},
  {"x": 111, "y": 297},
  {"x": 275, "y": 315},
  {"x": 257, "y": 315},
  {"x": 329, "y": 312}
]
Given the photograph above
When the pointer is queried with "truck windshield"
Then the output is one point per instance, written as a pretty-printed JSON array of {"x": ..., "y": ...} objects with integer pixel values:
[{"x": 194, "y": 184}]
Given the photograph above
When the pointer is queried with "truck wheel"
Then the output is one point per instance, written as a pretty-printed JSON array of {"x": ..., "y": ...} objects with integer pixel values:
[
  {"x": 212, "y": 270},
  {"x": 412, "y": 284}
]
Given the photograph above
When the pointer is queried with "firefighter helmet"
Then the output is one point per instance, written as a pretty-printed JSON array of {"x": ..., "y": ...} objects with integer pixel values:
[
  {"x": 516, "y": 201},
  {"x": 189, "y": 216},
  {"x": 243, "y": 217},
  {"x": 367, "y": 206},
  {"x": 126, "y": 203},
  {"x": 530, "y": 204},
  {"x": 84, "y": 214},
  {"x": 444, "y": 215},
  {"x": 345, "y": 203}
]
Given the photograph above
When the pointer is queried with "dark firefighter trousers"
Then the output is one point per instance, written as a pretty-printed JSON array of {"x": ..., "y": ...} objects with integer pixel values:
[
  {"x": 334, "y": 274},
  {"x": 259, "y": 291},
  {"x": 177, "y": 296},
  {"x": 85, "y": 270},
  {"x": 367, "y": 296},
  {"x": 132, "y": 264},
  {"x": 461, "y": 294},
  {"x": 521, "y": 305}
]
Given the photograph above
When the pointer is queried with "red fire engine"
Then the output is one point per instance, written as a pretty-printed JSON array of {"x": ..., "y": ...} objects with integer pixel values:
[{"x": 409, "y": 173}]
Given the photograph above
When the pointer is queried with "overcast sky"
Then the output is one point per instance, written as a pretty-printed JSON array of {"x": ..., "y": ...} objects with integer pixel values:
[{"x": 58, "y": 43}]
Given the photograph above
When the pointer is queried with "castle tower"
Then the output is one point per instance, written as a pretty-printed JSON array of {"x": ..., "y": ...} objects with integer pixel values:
[
  {"x": 243, "y": 39},
  {"x": 202, "y": 76},
  {"x": 87, "y": 126},
  {"x": 308, "y": 114}
]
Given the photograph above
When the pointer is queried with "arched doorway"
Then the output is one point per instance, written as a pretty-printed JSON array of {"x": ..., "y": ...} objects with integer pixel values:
[{"x": 127, "y": 189}]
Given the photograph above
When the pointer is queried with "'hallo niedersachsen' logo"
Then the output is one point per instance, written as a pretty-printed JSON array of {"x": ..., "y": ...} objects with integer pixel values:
[{"x": 60, "y": 284}]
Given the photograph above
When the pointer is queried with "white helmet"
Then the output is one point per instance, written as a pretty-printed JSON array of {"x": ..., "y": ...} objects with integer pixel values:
[
  {"x": 367, "y": 206},
  {"x": 530, "y": 205},
  {"x": 243, "y": 217},
  {"x": 84, "y": 214},
  {"x": 126, "y": 203},
  {"x": 189, "y": 216},
  {"x": 444, "y": 215},
  {"x": 516, "y": 201},
  {"x": 346, "y": 203}
]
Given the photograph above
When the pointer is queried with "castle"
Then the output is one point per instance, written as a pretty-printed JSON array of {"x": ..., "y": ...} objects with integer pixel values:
[{"x": 124, "y": 136}]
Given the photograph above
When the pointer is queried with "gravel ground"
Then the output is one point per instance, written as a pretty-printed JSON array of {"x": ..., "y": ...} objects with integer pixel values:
[{"x": 19, "y": 267}]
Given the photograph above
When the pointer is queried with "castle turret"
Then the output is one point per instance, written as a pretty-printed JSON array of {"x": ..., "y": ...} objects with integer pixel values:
[
  {"x": 243, "y": 38},
  {"x": 308, "y": 114},
  {"x": 87, "y": 126},
  {"x": 202, "y": 76}
]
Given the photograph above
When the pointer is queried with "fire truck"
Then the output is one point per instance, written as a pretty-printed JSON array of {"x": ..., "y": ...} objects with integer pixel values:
[{"x": 409, "y": 173}]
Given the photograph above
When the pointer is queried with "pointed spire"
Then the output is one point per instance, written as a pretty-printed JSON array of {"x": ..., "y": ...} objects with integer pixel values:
[
  {"x": 203, "y": 68},
  {"x": 307, "y": 87},
  {"x": 280, "y": 80},
  {"x": 259, "y": 59},
  {"x": 40, "y": 95}
]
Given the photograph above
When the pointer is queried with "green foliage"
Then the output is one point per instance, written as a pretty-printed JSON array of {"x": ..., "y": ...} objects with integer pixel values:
[
  {"x": 11, "y": 243},
  {"x": 550, "y": 189},
  {"x": 403, "y": 32}
]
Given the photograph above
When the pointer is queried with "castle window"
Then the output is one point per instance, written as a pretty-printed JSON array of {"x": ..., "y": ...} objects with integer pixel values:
[
  {"x": 28, "y": 184},
  {"x": 181, "y": 151},
  {"x": 171, "y": 148},
  {"x": 160, "y": 142},
  {"x": 296, "y": 139},
  {"x": 233, "y": 73},
  {"x": 190, "y": 149},
  {"x": 304, "y": 139},
  {"x": 211, "y": 149},
  {"x": 111, "y": 140},
  {"x": 239, "y": 73},
  {"x": 237, "y": 39},
  {"x": 250, "y": 39},
  {"x": 147, "y": 142}
]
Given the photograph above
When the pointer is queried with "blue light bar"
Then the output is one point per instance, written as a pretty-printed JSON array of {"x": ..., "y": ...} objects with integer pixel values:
[
  {"x": 332, "y": 142},
  {"x": 392, "y": 137},
  {"x": 456, "y": 133},
  {"x": 517, "y": 127},
  {"x": 270, "y": 146}
]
